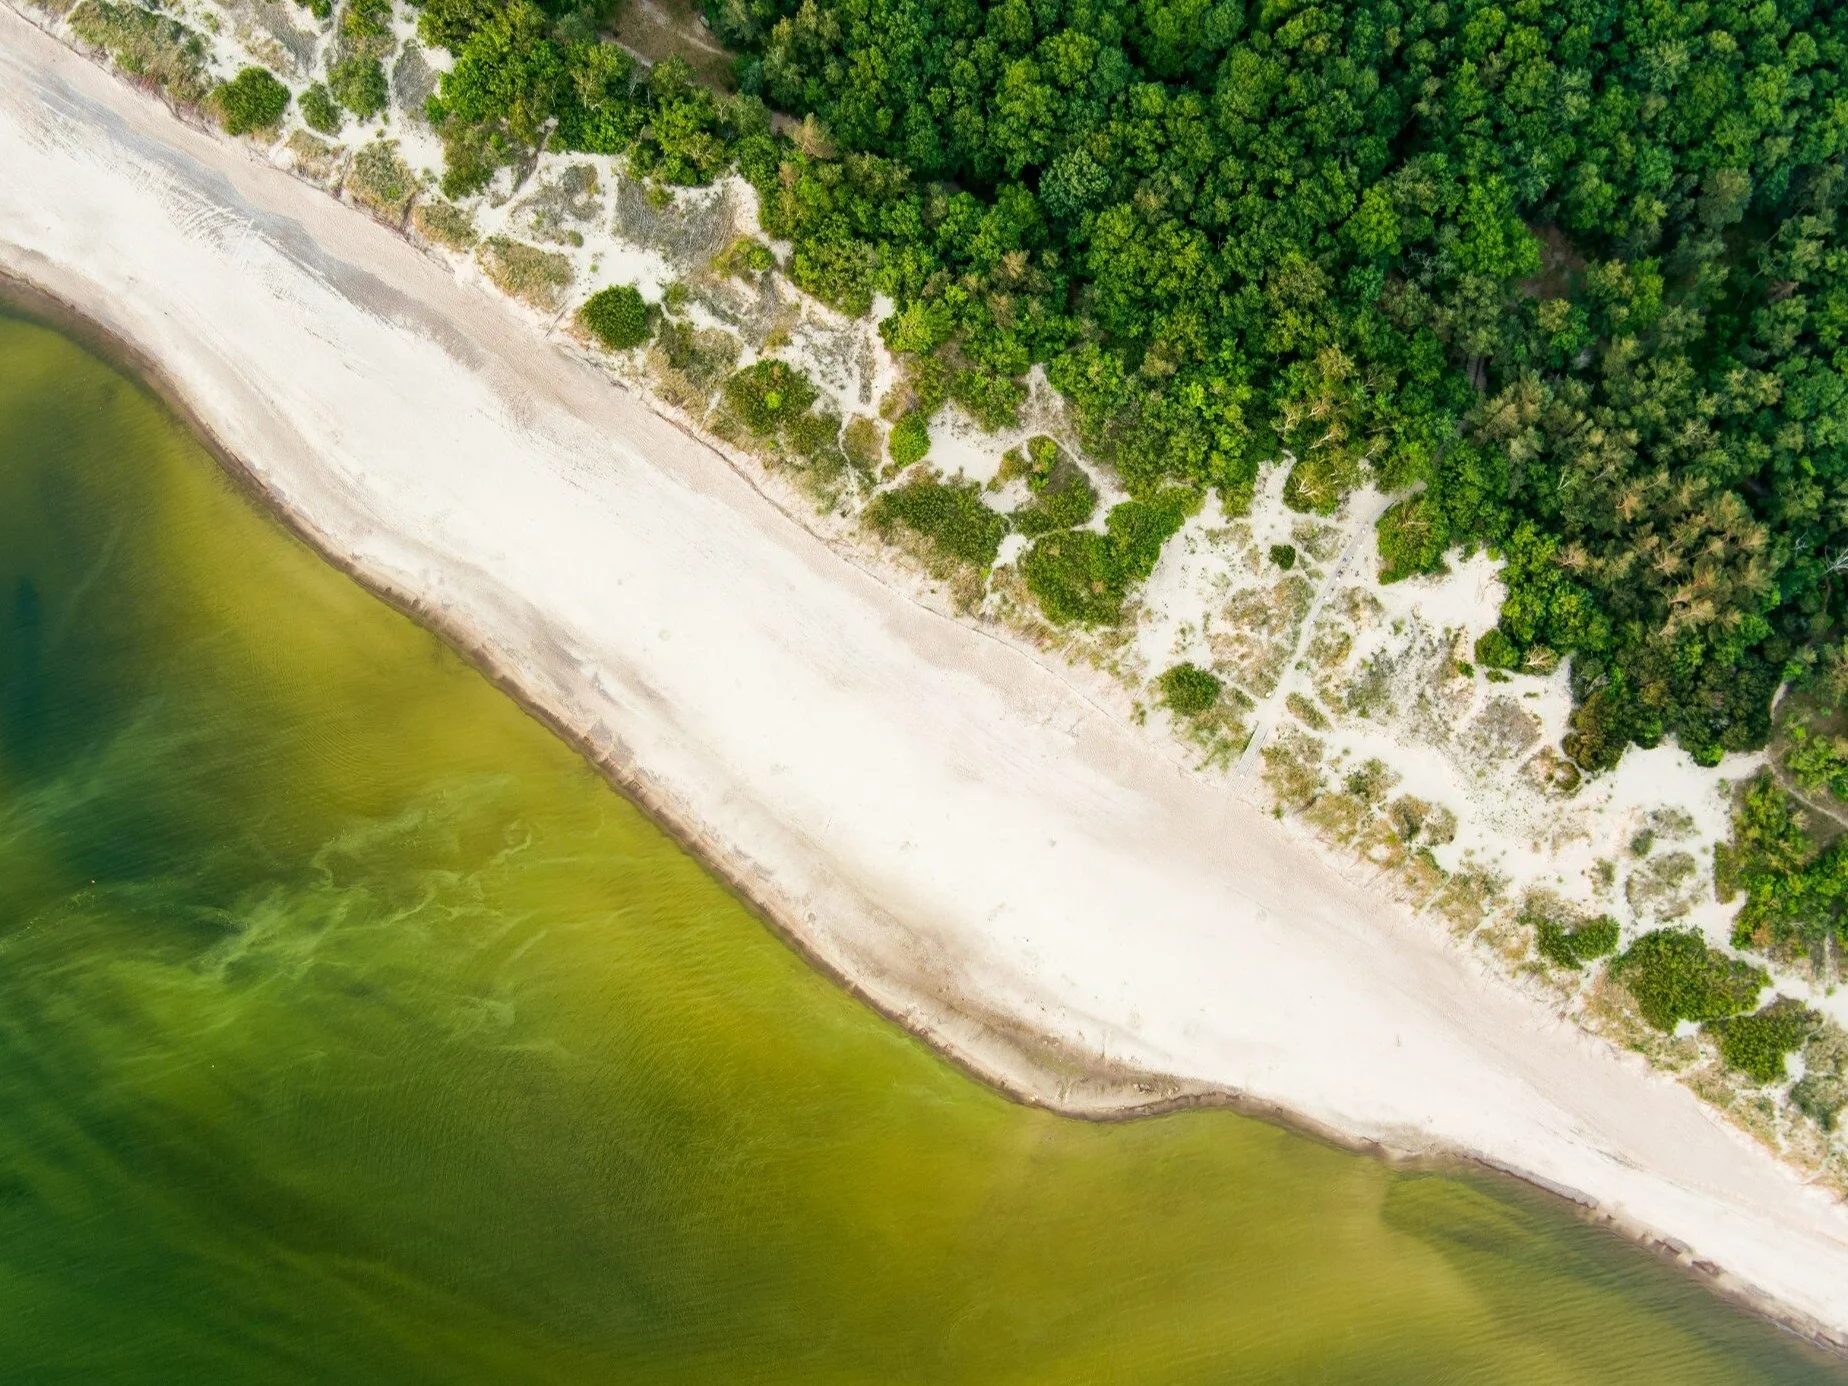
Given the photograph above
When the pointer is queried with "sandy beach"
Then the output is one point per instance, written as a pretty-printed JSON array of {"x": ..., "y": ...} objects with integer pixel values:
[{"x": 952, "y": 827}]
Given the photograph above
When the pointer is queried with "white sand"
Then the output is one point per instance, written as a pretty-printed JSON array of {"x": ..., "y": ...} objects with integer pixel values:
[{"x": 947, "y": 823}]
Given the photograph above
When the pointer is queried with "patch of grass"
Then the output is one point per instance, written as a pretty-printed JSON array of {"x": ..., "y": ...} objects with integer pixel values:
[
  {"x": 769, "y": 394},
  {"x": 687, "y": 363},
  {"x": 1189, "y": 690},
  {"x": 1675, "y": 976},
  {"x": 745, "y": 258},
  {"x": 949, "y": 515},
  {"x": 382, "y": 182},
  {"x": 1822, "y": 1091},
  {"x": 1283, "y": 555},
  {"x": 1574, "y": 947},
  {"x": 321, "y": 111},
  {"x": 252, "y": 100},
  {"x": 444, "y": 223},
  {"x": 1066, "y": 499},
  {"x": 617, "y": 317},
  {"x": 534, "y": 276},
  {"x": 358, "y": 83},
  {"x": 147, "y": 45},
  {"x": 1756, "y": 1044},
  {"x": 1139, "y": 529},
  {"x": 910, "y": 440}
]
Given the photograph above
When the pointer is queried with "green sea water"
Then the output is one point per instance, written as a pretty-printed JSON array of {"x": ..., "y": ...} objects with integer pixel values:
[{"x": 351, "y": 1030}]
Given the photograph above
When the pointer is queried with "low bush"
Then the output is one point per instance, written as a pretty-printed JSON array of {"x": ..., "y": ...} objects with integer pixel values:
[
  {"x": 144, "y": 44},
  {"x": 382, "y": 182},
  {"x": 321, "y": 111},
  {"x": 1573, "y": 948},
  {"x": 1756, "y": 1044},
  {"x": 1074, "y": 576},
  {"x": 1283, "y": 555},
  {"x": 910, "y": 440},
  {"x": 1675, "y": 976},
  {"x": 767, "y": 395},
  {"x": 862, "y": 441},
  {"x": 1189, "y": 690},
  {"x": 252, "y": 100},
  {"x": 1822, "y": 1091},
  {"x": 358, "y": 83},
  {"x": 1494, "y": 650},
  {"x": 1139, "y": 529},
  {"x": 1065, "y": 499},
  {"x": 1818, "y": 762},
  {"x": 993, "y": 400},
  {"x": 444, "y": 222},
  {"x": 949, "y": 515},
  {"x": 1413, "y": 536},
  {"x": 616, "y": 316},
  {"x": 534, "y": 276}
]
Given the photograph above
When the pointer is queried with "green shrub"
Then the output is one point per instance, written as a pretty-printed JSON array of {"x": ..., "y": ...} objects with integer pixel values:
[
  {"x": 1074, "y": 576},
  {"x": 991, "y": 399},
  {"x": 321, "y": 111},
  {"x": 767, "y": 395},
  {"x": 358, "y": 83},
  {"x": 1283, "y": 555},
  {"x": 1413, "y": 537},
  {"x": 1066, "y": 499},
  {"x": 148, "y": 45},
  {"x": 949, "y": 514},
  {"x": 1822, "y": 1091},
  {"x": 320, "y": 9},
  {"x": 1756, "y": 1044},
  {"x": 1189, "y": 690},
  {"x": 1675, "y": 976},
  {"x": 1576, "y": 947},
  {"x": 252, "y": 100},
  {"x": 1140, "y": 528},
  {"x": 1818, "y": 762},
  {"x": 746, "y": 258},
  {"x": 1494, "y": 650},
  {"x": 910, "y": 439},
  {"x": 616, "y": 316}
]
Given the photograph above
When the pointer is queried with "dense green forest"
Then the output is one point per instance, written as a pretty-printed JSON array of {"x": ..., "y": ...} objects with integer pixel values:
[{"x": 1569, "y": 276}]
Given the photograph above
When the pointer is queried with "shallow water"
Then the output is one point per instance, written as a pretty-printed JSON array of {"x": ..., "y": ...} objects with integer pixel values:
[{"x": 352, "y": 1030}]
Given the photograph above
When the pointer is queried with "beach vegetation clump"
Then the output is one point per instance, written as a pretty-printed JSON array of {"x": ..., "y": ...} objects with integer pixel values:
[
  {"x": 320, "y": 9},
  {"x": 1413, "y": 538},
  {"x": 252, "y": 100},
  {"x": 1756, "y": 1044},
  {"x": 1283, "y": 555},
  {"x": 445, "y": 224},
  {"x": 1573, "y": 947},
  {"x": 767, "y": 395},
  {"x": 150, "y": 46},
  {"x": 382, "y": 182},
  {"x": 1818, "y": 762},
  {"x": 746, "y": 258},
  {"x": 1063, "y": 496},
  {"x": 320, "y": 110},
  {"x": 909, "y": 441},
  {"x": 1822, "y": 1092},
  {"x": 617, "y": 317},
  {"x": 688, "y": 363},
  {"x": 1189, "y": 691},
  {"x": 536, "y": 277},
  {"x": 1674, "y": 975},
  {"x": 1796, "y": 895},
  {"x": 358, "y": 84},
  {"x": 948, "y": 515},
  {"x": 1073, "y": 575},
  {"x": 861, "y": 440}
]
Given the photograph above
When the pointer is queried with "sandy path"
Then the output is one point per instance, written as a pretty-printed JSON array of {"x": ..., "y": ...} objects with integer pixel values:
[{"x": 933, "y": 814}]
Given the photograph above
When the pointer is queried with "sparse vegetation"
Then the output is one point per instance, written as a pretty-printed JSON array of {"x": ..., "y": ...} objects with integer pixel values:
[
  {"x": 534, "y": 276},
  {"x": 445, "y": 223},
  {"x": 143, "y": 44}
]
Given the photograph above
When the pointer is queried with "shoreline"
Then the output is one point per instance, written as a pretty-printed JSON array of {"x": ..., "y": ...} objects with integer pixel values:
[{"x": 1044, "y": 1067}]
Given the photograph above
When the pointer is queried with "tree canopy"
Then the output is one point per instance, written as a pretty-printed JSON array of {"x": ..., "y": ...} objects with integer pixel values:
[{"x": 1572, "y": 274}]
